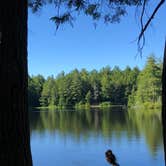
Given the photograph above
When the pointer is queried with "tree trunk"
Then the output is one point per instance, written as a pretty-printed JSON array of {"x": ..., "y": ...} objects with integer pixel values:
[
  {"x": 164, "y": 101},
  {"x": 14, "y": 125}
]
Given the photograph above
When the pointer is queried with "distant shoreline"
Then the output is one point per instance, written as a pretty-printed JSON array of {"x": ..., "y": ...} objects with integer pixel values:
[{"x": 82, "y": 107}]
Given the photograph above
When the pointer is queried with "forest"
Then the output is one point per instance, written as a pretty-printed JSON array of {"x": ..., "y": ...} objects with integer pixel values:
[{"x": 130, "y": 87}]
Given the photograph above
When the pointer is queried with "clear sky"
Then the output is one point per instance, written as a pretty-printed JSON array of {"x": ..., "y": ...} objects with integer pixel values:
[{"x": 83, "y": 46}]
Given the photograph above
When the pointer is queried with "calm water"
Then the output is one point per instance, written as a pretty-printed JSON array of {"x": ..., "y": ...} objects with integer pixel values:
[{"x": 80, "y": 138}]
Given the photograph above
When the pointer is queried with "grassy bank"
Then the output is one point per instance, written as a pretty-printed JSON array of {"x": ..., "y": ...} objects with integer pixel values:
[{"x": 147, "y": 105}]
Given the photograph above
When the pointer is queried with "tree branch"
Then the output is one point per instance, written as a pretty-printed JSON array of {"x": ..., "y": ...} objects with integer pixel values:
[{"x": 143, "y": 28}]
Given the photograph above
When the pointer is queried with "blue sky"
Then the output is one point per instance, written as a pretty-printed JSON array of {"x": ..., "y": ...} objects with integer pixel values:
[{"x": 83, "y": 46}]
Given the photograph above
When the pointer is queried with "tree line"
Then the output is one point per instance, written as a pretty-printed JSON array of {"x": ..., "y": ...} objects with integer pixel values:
[{"x": 105, "y": 87}]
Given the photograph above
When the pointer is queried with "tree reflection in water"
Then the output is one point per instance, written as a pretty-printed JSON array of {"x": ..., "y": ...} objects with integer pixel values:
[{"x": 108, "y": 123}]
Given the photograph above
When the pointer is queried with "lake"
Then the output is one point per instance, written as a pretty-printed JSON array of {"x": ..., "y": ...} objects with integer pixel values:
[{"x": 80, "y": 138}]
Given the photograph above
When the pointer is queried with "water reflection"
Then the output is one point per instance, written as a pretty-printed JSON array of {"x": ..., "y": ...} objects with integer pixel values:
[{"x": 106, "y": 123}]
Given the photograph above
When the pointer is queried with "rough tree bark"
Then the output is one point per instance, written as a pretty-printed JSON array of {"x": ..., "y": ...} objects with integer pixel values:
[
  {"x": 14, "y": 126},
  {"x": 164, "y": 101}
]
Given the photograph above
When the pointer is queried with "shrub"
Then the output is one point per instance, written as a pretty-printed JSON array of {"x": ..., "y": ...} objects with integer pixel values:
[{"x": 105, "y": 104}]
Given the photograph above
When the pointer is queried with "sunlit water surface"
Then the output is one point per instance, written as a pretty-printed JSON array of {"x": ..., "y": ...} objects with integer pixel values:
[{"x": 80, "y": 138}]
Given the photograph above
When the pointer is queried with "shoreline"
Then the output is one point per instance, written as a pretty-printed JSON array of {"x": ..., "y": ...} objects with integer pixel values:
[{"x": 81, "y": 107}]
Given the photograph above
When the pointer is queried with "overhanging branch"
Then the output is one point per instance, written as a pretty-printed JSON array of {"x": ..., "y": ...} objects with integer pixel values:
[{"x": 144, "y": 28}]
